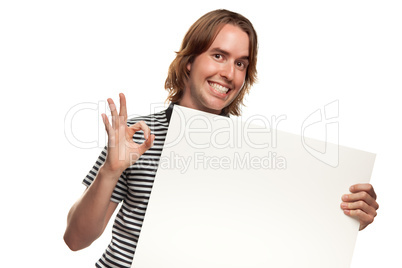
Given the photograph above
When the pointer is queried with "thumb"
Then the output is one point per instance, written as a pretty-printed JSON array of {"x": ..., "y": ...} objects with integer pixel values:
[{"x": 148, "y": 143}]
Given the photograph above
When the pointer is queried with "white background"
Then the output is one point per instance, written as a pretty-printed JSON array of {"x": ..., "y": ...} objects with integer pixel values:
[{"x": 55, "y": 55}]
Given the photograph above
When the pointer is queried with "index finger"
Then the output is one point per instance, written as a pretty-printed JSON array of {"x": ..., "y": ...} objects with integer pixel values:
[
  {"x": 123, "y": 107},
  {"x": 366, "y": 187},
  {"x": 140, "y": 125}
]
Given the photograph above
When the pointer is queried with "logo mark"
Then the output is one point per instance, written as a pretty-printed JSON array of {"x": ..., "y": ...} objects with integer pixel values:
[{"x": 324, "y": 120}]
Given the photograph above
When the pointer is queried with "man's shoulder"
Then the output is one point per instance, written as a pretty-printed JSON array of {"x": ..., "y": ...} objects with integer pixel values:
[{"x": 152, "y": 120}]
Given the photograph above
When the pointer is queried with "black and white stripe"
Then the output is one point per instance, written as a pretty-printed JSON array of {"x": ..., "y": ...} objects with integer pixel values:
[{"x": 133, "y": 188}]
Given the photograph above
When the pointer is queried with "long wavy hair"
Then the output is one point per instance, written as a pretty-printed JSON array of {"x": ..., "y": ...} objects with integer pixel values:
[{"x": 197, "y": 40}]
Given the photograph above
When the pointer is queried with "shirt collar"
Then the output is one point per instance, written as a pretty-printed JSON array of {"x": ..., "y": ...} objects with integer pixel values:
[{"x": 169, "y": 111}]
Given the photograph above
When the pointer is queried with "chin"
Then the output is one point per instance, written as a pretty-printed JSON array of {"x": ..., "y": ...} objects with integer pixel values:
[{"x": 214, "y": 106}]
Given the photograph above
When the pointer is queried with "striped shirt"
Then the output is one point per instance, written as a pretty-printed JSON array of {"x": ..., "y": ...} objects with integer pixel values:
[{"x": 133, "y": 188}]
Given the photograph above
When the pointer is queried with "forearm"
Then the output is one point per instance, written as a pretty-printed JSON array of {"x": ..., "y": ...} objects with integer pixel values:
[{"x": 88, "y": 216}]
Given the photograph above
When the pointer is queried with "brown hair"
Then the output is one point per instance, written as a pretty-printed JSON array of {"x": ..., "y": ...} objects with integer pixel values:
[{"x": 197, "y": 40}]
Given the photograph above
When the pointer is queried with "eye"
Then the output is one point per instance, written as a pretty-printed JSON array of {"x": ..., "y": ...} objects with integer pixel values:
[
  {"x": 218, "y": 56},
  {"x": 241, "y": 65}
]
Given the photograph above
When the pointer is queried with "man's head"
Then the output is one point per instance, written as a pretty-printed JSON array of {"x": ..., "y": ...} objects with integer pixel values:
[{"x": 221, "y": 28}]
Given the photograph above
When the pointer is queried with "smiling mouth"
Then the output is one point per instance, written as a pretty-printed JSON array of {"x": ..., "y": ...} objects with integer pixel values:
[{"x": 219, "y": 88}]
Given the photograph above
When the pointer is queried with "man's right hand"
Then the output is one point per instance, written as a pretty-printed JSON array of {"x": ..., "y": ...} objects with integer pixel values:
[
  {"x": 88, "y": 217},
  {"x": 122, "y": 151}
]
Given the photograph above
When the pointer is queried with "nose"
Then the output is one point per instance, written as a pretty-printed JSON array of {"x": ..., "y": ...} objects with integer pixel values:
[{"x": 228, "y": 71}]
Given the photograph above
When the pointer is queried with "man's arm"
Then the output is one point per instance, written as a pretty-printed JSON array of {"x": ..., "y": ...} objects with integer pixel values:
[{"x": 89, "y": 216}]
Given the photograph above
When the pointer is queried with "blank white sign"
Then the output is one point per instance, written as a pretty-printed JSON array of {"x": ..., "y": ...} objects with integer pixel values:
[{"x": 234, "y": 194}]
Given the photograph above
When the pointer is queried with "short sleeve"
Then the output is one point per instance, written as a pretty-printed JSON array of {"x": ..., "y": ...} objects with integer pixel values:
[{"x": 120, "y": 191}]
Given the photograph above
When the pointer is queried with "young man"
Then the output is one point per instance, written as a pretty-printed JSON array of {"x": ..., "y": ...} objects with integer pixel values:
[{"x": 212, "y": 72}]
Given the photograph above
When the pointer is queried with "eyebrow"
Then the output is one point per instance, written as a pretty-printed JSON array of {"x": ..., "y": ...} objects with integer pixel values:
[{"x": 224, "y": 52}]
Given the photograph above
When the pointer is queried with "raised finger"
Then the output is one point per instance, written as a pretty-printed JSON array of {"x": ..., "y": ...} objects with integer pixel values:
[
  {"x": 113, "y": 111},
  {"x": 106, "y": 123},
  {"x": 123, "y": 106}
]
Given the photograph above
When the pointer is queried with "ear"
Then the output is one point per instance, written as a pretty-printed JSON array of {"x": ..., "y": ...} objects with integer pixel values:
[{"x": 188, "y": 66}]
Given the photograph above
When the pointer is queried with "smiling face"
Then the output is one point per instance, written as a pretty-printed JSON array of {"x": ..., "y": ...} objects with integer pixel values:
[{"x": 218, "y": 74}]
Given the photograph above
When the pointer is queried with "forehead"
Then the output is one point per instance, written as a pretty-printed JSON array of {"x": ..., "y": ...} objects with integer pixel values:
[{"x": 232, "y": 39}]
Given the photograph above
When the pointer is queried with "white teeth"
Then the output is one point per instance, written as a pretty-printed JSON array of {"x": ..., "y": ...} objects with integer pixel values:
[{"x": 219, "y": 88}]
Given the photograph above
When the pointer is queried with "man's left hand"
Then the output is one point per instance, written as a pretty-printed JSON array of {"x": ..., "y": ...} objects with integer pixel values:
[{"x": 361, "y": 204}]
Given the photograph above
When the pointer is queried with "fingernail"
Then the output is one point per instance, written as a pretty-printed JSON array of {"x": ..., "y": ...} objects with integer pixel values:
[
  {"x": 351, "y": 188},
  {"x": 345, "y": 197},
  {"x": 344, "y": 205}
]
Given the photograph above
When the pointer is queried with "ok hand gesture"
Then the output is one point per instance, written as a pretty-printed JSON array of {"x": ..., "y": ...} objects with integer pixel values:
[{"x": 122, "y": 151}]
